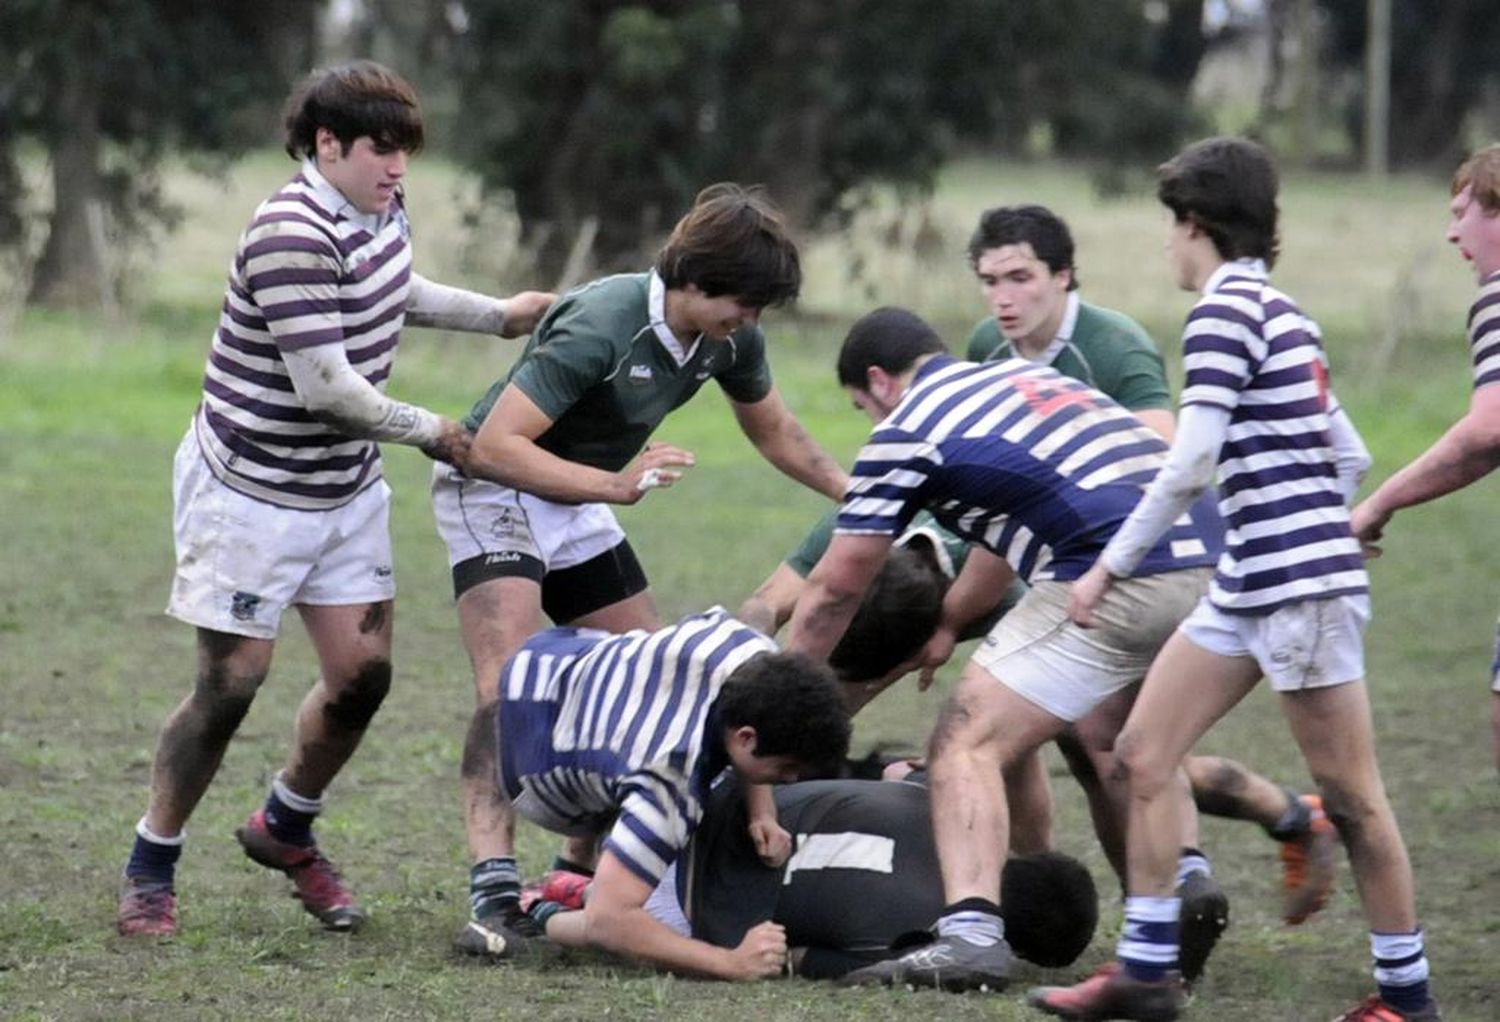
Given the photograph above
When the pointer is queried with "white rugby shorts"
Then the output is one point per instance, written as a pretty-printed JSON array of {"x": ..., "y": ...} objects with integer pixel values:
[{"x": 1307, "y": 644}]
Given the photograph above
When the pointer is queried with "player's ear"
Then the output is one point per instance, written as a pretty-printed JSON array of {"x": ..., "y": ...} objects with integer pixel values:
[{"x": 743, "y": 739}]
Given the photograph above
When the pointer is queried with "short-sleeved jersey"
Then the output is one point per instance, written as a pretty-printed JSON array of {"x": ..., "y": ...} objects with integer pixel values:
[
  {"x": 1249, "y": 349},
  {"x": 1484, "y": 333},
  {"x": 599, "y": 727},
  {"x": 310, "y": 269},
  {"x": 1105, "y": 349},
  {"x": 862, "y": 874},
  {"x": 1037, "y": 467},
  {"x": 604, "y": 367}
]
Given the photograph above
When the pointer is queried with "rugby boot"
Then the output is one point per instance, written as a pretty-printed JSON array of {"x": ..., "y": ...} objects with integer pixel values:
[
  {"x": 505, "y": 932},
  {"x": 1308, "y": 863},
  {"x": 1111, "y": 992},
  {"x": 148, "y": 908},
  {"x": 1373, "y": 1009},
  {"x": 1203, "y": 919},
  {"x": 950, "y": 963},
  {"x": 318, "y": 885}
]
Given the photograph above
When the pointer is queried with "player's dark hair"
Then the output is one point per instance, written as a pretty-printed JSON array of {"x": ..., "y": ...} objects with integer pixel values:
[
  {"x": 795, "y": 706},
  {"x": 890, "y": 338},
  {"x": 1036, "y": 226},
  {"x": 1226, "y": 187},
  {"x": 352, "y": 100},
  {"x": 733, "y": 242},
  {"x": 1481, "y": 173},
  {"x": 1050, "y": 907},
  {"x": 898, "y": 615}
]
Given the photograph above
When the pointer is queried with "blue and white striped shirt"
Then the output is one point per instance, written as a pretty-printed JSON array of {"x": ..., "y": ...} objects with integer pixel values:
[
  {"x": 1247, "y": 348},
  {"x": 1484, "y": 333},
  {"x": 594, "y": 724},
  {"x": 1036, "y": 467}
]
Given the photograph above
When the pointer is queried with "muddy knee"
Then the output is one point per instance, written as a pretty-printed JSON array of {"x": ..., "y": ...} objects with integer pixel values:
[
  {"x": 480, "y": 744},
  {"x": 353, "y": 705}
]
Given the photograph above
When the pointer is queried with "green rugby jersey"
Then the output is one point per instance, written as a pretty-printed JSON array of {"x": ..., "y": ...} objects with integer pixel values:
[
  {"x": 601, "y": 365},
  {"x": 1106, "y": 349}
]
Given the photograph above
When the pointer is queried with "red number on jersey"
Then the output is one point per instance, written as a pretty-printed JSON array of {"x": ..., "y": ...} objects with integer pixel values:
[{"x": 1047, "y": 396}]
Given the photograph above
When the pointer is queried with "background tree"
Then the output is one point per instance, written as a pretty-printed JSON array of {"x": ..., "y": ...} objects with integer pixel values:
[{"x": 107, "y": 88}]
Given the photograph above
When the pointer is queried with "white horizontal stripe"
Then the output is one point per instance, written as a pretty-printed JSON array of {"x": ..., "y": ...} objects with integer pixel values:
[{"x": 874, "y": 853}]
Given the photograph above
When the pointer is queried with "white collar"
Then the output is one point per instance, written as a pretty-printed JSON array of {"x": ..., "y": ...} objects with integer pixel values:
[
  {"x": 1064, "y": 334},
  {"x": 336, "y": 202},
  {"x": 1238, "y": 268},
  {"x": 656, "y": 309}
]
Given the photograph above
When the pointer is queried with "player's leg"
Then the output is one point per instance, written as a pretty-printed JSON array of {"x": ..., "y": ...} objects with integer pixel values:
[
  {"x": 1224, "y": 787},
  {"x": 1187, "y": 690},
  {"x": 1333, "y": 727},
  {"x": 353, "y": 643},
  {"x": 1028, "y": 794},
  {"x": 1089, "y": 749}
]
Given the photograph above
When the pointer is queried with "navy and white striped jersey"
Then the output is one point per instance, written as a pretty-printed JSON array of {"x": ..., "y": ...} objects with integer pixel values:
[
  {"x": 1249, "y": 349},
  {"x": 1035, "y": 466},
  {"x": 593, "y": 724},
  {"x": 310, "y": 269},
  {"x": 1484, "y": 333}
]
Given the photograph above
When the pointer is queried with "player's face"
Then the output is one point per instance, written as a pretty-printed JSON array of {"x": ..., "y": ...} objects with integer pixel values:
[
  {"x": 1476, "y": 232},
  {"x": 367, "y": 175},
  {"x": 767, "y": 769},
  {"x": 1181, "y": 257},
  {"x": 716, "y": 317},
  {"x": 1027, "y": 299},
  {"x": 870, "y": 404}
]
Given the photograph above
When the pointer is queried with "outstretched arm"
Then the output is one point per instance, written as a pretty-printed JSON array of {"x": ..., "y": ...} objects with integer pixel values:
[
  {"x": 442, "y": 307},
  {"x": 834, "y": 590},
  {"x": 1467, "y": 452},
  {"x": 781, "y": 440}
]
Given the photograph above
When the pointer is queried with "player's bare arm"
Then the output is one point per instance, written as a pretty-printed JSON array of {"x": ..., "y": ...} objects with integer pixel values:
[
  {"x": 781, "y": 440},
  {"x": 616, "y": 920},
  {"x": 980, "y": 585},
  {"x": 834, "y": 589},
  {"x": 505, "y": 451},
  {"x": 772, "y": 603}
]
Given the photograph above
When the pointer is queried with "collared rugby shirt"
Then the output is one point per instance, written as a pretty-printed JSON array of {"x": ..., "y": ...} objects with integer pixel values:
[
  {"x": 1037, "y": 467},
  {"x": 309, "y": 270},
  {"x": 1484, "y": 333},
  {"x": 592, "y": 724},
  {"x": 1247, "y": 348}
]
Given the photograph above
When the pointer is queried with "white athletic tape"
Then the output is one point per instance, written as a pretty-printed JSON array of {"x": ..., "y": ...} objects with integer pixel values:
[{"x": 650, "y": 479}]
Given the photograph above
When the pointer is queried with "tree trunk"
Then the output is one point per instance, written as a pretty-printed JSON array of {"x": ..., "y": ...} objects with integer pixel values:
[{"x": 71, "y": 271}]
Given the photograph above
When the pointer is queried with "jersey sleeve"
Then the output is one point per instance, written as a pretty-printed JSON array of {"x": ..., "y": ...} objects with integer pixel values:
[
  {"x": 656, "y": 819},
  {"x": 573, "y": 356},
  {"x": 886, "y": 488},
  {"x": 291, "y": 269},
  {"x": 1484, "y": 334},
  {"x": 984, "y": 341},
  {"x": 747, "y": 378},
  {"x": 1140, "y": 383},
  {"x": 813, "y": 546},
  {"x": 1222, "y": 345}
]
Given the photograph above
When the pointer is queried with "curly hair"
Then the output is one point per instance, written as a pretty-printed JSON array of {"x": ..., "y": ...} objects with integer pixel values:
[
  {"x": 898, "y": 615},
  {"x": 1037, "y": 226},
  {"x": 1481, "y": 174},
  {"x": 1227, "y": 187},
  {"x": 794, "y": 705},
  {"x": 1050, "y": 907}
]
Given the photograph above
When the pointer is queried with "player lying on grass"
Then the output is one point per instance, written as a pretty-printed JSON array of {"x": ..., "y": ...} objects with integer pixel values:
[
  {"x": 861, "y": 884},
  {"x": 621, "y": 735},
  {"x": 893, "y": 623}
]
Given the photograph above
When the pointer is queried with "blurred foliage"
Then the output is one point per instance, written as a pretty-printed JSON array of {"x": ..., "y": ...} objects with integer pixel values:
[
  {"x": 615, "y": 114},
  {"x": 107, "y": 87}
]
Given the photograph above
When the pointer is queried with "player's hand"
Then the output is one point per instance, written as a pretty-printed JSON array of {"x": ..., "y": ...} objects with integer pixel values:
[
  {"x": 937, "y": 652},
  {"x": 452, "y": 445},
  {"x": 659, "y": 466},
  {"x": 524, "y": 310},
  {"x": 762, "y": 954},
  {"x": 772, "y": 842},
  {"x": 1084, "y": 595},
  {"x": 1368, "y": 525}
]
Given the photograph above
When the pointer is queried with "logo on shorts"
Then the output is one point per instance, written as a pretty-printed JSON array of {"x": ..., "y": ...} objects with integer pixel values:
[
  {"x": 243, "y": 605},
  {"x": 640, "y": 374},
  {"x": 502, "y": 557},
  {"x": 382, "y": 571},
  {"x": 504, "y": 524}
]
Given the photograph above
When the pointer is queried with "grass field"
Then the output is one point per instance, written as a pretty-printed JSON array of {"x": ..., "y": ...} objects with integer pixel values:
[{"x": 89, "y": 667}]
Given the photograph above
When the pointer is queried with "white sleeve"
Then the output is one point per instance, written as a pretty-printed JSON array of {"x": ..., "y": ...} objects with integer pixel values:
[
  {"x": 452, "y": 308},
  {"x": 1349, "y": 453},
  {"x": 1188, "y": 472},
  {"x": 334, "y": 393}
]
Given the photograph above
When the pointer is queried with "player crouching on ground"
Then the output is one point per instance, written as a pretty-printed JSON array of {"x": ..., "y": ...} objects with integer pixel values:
[{"x": 622, "y": 735}]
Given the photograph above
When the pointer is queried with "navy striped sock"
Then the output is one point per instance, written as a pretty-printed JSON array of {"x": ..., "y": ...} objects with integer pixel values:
[
  {"x": 1401, "y": 969},
  {"x": 492, "y": 884},
  {"x": 1149, "y": 943},
  {"x": 290, "y": 816},
  {"x": 153, "y": 858}
]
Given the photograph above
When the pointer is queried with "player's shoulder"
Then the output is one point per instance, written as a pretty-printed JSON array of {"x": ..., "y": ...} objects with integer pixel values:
[
  {"x": 984, "y": 339},
  {"x": 1101, "y": 325},
  {"x": 611, "y": 309}
]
